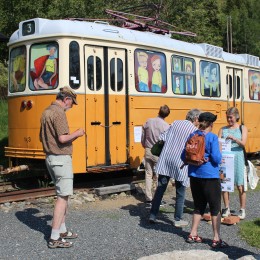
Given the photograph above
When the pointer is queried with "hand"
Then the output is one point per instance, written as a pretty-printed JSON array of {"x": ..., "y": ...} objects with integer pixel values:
[
  {"x": 80, "y": 132},
  {"x": 231, "y": 137}
]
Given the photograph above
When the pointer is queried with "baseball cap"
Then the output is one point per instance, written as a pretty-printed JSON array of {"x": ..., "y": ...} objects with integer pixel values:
[
  {"x": 69, "y": 93},
  {"x": 207, "y": 116}
]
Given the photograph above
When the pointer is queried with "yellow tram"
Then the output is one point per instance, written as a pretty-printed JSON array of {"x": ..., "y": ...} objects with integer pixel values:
[{"x": 121, "y": 77}]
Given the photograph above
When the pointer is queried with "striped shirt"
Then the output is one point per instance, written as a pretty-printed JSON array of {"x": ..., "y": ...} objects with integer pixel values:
[{"x": 169, "y": 162}]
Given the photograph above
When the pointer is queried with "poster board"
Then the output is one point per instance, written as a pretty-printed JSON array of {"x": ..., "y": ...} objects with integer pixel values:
[{"x": 227, "y": 168}]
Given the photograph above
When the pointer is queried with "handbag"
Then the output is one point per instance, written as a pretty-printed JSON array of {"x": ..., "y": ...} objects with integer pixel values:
[
  {"x": 252, "y": 176},
  {"x": 157, "y": 148}
]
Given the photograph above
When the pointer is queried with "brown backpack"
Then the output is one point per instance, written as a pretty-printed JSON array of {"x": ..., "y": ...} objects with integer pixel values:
[{"x": 195, "y": 150}]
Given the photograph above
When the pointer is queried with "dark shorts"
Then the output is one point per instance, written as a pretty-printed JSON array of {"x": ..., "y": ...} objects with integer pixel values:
[{"x": 206, "y": 191}]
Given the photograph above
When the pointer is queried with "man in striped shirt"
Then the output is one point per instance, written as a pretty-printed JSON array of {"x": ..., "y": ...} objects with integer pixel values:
[
  {"x": 169, "y": 164},
  {"x": 150, "y": 135}
]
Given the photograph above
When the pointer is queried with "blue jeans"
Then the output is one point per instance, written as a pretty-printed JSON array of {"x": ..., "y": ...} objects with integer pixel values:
[{"x": 180, "y": 197}]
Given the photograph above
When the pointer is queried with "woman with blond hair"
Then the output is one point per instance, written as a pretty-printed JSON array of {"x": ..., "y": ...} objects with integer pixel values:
[{"x": 238, "y": 137}]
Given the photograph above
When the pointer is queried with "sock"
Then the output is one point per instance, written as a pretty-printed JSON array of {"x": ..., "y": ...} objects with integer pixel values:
[
  {"x": 55, "y": 234},
  {"x": 63, "y": 228}
]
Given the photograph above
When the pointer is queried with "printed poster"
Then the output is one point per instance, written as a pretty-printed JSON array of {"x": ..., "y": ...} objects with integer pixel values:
[
  {"x": 137, "y": 134},
  {"x": 225, "y": 144},
  {"x": 227, "y": 169}
]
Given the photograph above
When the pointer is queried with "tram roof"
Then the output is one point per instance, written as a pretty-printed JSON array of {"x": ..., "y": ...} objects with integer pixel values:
[{"x": 45, "y": 27}]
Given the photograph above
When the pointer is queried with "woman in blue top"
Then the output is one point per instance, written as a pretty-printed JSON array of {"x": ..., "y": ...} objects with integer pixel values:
[{"x": 205, "y": 182}]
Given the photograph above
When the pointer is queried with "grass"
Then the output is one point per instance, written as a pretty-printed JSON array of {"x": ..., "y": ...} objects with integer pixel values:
[
  {"x": 3, "y": 130},
  {"x": 250, "y": 231}
]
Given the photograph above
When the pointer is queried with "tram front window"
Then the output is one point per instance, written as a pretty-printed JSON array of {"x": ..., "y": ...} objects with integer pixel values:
[
  {"x": 44, "y": 66},
  {"x": 17, "y": 69}
]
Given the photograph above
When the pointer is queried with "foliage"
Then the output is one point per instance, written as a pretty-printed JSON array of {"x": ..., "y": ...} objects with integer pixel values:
[
  {"x": 250, "y": 231},
  {"x": 3, "y": 130},
  {"x": 3, "y": 75}
]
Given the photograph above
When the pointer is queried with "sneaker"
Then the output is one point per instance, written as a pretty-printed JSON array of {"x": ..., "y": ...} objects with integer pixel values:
[
  {"x": 181, "y": 223},
  {"x": 225, "y": 212},
  {"x": 163, "y": 203},
  {"x": 152, "y": 219},
  {"x": 242, "y": 214}
]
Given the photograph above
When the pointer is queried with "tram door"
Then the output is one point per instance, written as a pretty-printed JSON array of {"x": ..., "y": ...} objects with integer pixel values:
[
  {"x": 234, "y": 83},
  {"x": 105, "y": 105},
  {"x": 116, "y": 113}
]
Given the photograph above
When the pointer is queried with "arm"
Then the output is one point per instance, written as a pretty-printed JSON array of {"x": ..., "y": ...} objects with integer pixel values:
[
  {"x": 71, "y": 137},
  {"x": 143, "y": 137},
  {"x": 220, "y": 133},
  {"x": 241, "y": 142},
  {"x": 164, "y": 134},
  {"x": 215, "y": 154}
]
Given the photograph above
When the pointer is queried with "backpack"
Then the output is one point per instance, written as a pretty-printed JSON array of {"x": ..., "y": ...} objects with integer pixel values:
[{"x": 195, "y": 149}]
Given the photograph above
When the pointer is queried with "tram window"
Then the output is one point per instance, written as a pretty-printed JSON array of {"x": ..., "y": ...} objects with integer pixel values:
[
  {"x": 238, "y": 87},
  {"x": 229, "y": 85},
  {"x": 94, "y": 85},
  {"x": 90, "y": 67},
  {"x": 17, "y": 73},
  {"x": 98, "y": 73},
  {"x": 150, "y": 71},
  {"x": 254, "y": 84},
  {"x": 44, "y": 66},
  {"x": 112, "y": 74},
  {"x": 116, "y": 80},
  {"x": 120, "y": 75},
  {"x": 210, "y": 79},
  {"x": 183, "y": 76},
  {"x": 74, "y": 65}
]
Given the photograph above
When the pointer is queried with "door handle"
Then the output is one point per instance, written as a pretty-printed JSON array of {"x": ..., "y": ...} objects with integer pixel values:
[
  {"x": 116, "y": 123},
  {"x": 96, "y": 123}
]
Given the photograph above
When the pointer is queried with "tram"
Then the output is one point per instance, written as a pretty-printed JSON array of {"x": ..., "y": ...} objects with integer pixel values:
[{"x": 121, "y": 77}]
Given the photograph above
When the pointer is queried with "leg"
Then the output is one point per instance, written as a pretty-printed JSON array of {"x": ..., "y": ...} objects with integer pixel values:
[
  {"x": 200, "y": 203},
  {"x": 150, "y": 161},
  {"x": 148, "y": 179},
  {"x": 195, "y": 224},
  {"x": 242, "y": 196},
  {"x": 180, "y": 198},
  {"x": 225, "y": 195},
  {"x": 59, "y": 212},
  {"x": 162, "y": 185},
  {"x": 216, "y": 227}
]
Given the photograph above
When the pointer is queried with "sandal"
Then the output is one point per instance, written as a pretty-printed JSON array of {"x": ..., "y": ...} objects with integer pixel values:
[
  {"x": 195, "y": 239},
  {"x": 59, "y": 243},
  {"x": 219, "y": 244},
  {"x": 68, "y": 235}
]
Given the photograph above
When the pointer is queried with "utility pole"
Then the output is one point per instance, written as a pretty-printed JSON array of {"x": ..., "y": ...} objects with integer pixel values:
[{"x": 229, "y": 34}]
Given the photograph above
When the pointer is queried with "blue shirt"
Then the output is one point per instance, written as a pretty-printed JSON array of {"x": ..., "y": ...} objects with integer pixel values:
[{"x": 208, "y": 169}]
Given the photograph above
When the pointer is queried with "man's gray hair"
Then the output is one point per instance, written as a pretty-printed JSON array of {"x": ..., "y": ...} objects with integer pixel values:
[{"x": 193, "y": 114}]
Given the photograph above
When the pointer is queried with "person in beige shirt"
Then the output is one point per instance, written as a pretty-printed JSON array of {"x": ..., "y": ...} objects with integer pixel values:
[{"x": 150, "y": 135}]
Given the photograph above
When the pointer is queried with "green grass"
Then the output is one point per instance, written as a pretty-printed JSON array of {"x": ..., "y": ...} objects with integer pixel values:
[
  {"x": 3, "y": 130},
  {"x": 250, "y": 231}
]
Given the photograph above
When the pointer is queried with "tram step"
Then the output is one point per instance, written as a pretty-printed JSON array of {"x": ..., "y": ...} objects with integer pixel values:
[{"x": 114, "y": 189}]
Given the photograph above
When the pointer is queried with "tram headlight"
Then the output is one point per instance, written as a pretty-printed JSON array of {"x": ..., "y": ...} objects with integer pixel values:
[
  {"x": 26, "y": 104},
  {"x": 23, "y": 104},
  {"x": 29, "y": 104}
]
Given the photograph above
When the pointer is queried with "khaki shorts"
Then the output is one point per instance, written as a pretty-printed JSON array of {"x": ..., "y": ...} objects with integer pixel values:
[{"x": 60, "y": 169}]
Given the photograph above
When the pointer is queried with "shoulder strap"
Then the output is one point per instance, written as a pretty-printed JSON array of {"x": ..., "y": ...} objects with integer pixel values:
[{"x": 240, "y": 128}]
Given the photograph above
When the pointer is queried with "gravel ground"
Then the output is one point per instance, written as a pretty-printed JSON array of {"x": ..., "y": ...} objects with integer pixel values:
[{"x": 114, "y": 229}]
